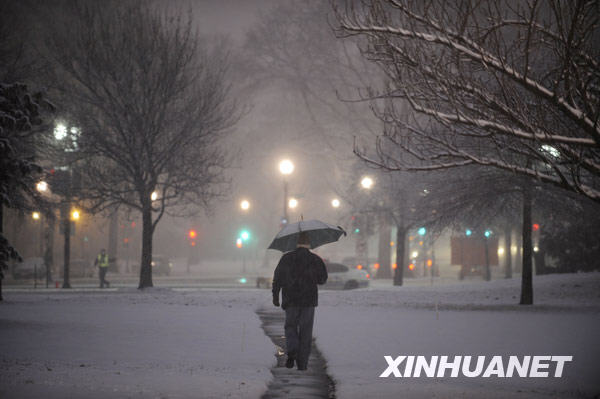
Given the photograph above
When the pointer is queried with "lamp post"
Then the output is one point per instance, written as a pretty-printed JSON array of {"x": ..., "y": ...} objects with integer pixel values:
[{"x": 286, "y": 167}]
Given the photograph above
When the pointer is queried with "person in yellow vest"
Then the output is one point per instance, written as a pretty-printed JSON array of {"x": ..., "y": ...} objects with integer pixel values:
[{"x": 102, "y": 263}]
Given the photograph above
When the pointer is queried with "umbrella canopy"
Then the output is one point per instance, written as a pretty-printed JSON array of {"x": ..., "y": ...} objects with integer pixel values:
[{"x": 319, "y": 233}]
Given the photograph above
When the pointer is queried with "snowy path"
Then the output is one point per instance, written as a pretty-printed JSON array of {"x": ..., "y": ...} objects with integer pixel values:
[{"x": 291, "y": 383}]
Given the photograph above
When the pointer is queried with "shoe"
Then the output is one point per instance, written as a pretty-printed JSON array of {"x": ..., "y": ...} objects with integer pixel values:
[{"x": 289, "y": 362}]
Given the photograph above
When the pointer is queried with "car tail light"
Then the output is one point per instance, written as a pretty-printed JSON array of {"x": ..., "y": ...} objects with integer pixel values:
[{"x": 368, "y": 275}]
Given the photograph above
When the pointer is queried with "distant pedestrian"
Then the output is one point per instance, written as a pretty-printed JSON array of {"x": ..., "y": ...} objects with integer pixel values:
[
  {"x": 102, "y": 263},
  {"x": 297, "y": 275}
]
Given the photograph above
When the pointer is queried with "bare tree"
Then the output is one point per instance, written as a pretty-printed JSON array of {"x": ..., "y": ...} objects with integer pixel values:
[
  {"x": 513, "y": 85},
  {"x": 153, "y": 104}
]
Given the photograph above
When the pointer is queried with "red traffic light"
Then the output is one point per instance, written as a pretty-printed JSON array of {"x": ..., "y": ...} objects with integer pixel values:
[
  {"x": 192, "y": 234},
  {"x": 536, "y": 227}
]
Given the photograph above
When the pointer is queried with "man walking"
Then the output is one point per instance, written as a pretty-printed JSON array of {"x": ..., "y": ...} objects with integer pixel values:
[
  {"x": 102, "y": 263},
  {"x": 297, "y": 275}
]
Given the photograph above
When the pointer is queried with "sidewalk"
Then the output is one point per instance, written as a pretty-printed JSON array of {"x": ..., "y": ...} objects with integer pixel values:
[{"x": 291, "y": 383}]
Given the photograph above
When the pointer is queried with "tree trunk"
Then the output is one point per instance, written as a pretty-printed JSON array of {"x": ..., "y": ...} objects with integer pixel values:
[
  {"x": 147, "y": 231},
  {"x": 384, "y": 252},
  {"x": 66, "y": 222},
  {"x": 113, "y": 237},
  {"x": 49, "y": 246},
  {"x": 400, "y": 254},
  {"x": 487, "y": 275},
  {"x": 1, "y": 233},
  {"x": 526, "y": 273},
  {"x": 508, "y": 252}
]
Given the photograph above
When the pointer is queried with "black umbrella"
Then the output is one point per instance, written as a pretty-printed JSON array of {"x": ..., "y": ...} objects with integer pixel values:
[{"x": 319, "y": 233}]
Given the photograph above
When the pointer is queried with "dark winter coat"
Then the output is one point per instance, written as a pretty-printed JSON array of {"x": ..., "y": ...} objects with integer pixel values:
[{"x": 297, "y": 275}]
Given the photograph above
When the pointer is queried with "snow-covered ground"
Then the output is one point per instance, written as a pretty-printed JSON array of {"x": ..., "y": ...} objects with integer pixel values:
[
  {"x": 128, "y": 344},
  {"x": 199, "y": 343},
  {"x": 355, "y": 330}
]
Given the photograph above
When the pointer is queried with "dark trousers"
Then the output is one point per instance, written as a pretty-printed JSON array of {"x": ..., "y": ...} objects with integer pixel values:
[
  {"x": 102, "y": 274},
  {"x": 298, "y": 333}
]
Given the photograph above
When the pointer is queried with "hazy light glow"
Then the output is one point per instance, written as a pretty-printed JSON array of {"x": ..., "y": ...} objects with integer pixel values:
[
  {"x": 293, "y": 203},
  {"x": 245, "y": 205},
  {"x": 286, "y": 167},
  {"x": 42, "y": 186},
  {"x": 154, "y": 196},
  {"x": 335, "y": 203},
  {"x": 75, "y": 215},
  {"x": 500, "y": 251},
  {"x": 415, "y": 254},
  {"x": 36, "y": 215},
  {"x": 366, "y": 182},
  {"x": 60, "y": 131}
]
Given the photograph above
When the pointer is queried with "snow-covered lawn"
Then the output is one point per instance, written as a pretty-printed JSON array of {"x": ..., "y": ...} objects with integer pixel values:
[
  {"x": 120, "y": 344},
  {"x": 355, "y": 330}
]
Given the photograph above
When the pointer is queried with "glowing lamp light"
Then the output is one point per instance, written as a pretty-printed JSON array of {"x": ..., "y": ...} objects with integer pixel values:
[
  {"x": 286, "y": 167},
  {"x": 366, "y": 182},
  {"x": 245, "y": 205},
  {"x": 368, "y": 275},
  {"x": 293, "y": 203},
  {"x": 429, "y": 262},
  {"x": 245, "y": 235},
  {"x": 376, "y": 266},
  {"x": 359, "y": 267},
  {"x": 41, "y": 186},
  {"x": 335, "y": 203},
  {"x": 243, "y": 280},
  {"x": 536, "y": 227},
  {"x": 536, "y": 249},
  {"x": 192, "y": 233},
  {"x": 487, "y": 233},
  {"x": 411, "y": 267},
  {"x": 238, "y": 243},
  {"x": 468, "y": 232},
  {"x": 415, "y": 254},
  {"x": 500, "y": 251},
  {"x": 75, "y": 215},
  {"x": 60, "y": 131},
  {"x": 36, "y": 215},
  {"x": 391, "y": 243},
  {"x": 154, "y": 196},
  {"x": 395, "y": 266},
  {"x": 422, "y": 231}
]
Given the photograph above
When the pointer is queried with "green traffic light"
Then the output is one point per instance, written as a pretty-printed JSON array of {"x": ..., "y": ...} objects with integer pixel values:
[
  {"x": 245, "y": 235},
  {"x": 356, "y": 231}
]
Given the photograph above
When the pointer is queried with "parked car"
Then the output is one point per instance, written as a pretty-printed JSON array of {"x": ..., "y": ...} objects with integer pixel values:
[
  {"x": 344, "y": 277},
  {"x": 161, "y": 265},
  {"x": 29, "y": 268}
]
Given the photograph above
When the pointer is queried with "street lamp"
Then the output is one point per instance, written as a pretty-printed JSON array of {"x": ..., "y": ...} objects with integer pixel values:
[
  {"x": 335, "y": 203},
  {"x": 293, "y": 203},
  {"x": 366, "y": 182},
  {"x": 286, "y": 167},
  {"x": 245, "y": 205},
  {"x": 75, "y": 214},
  {"x": 42, "y": 186},
  {"x": 154, "y": 196},
  {"x": 36, "y": 216}
]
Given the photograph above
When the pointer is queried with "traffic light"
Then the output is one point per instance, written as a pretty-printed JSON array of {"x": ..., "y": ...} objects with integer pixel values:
[
  {"x": 536, "y": 227},
  {"x": 487, "y": 233},
  {"x": 468, "y": 232},
  {"x": 192, "y": 233},
  {"x": 422, "y": 231},
  {"x": 245, "y": 235}
]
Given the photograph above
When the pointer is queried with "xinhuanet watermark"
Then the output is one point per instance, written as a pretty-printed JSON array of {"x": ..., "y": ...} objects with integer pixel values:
[{"x": 476, "y": 366}]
